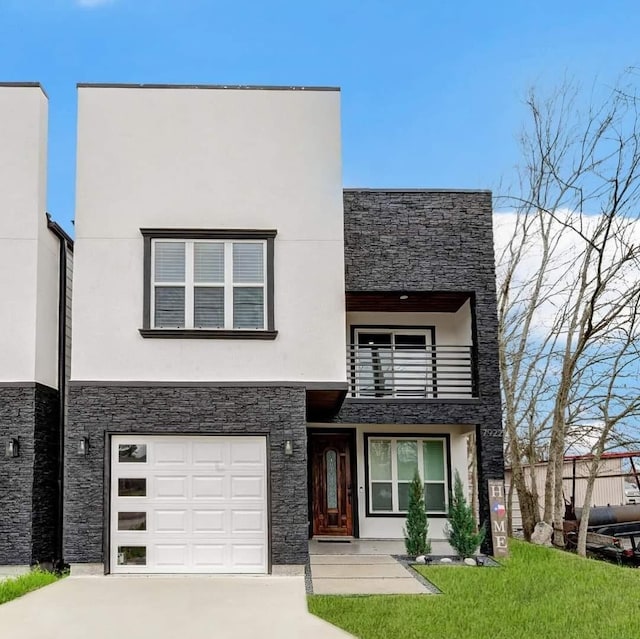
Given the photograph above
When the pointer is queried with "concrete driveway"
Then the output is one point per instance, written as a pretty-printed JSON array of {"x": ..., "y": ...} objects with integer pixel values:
[{"x": 133, "y": 607}]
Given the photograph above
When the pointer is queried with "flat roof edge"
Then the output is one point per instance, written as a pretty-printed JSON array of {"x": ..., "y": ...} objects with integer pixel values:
[
  {"x": 25, "y": 85},
  {"x": 243, "y": 87},
  {"x": 413, "y": 190}
]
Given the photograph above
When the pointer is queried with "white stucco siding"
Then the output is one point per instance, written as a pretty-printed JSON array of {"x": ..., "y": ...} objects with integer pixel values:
[
  {"x": 28, "y": 258},
  {"x": 209, "y": 159},
  {"x": 18, "y": 269},
  {"x": 23, "y": 152},
  {"x": 46, "y": 363}
]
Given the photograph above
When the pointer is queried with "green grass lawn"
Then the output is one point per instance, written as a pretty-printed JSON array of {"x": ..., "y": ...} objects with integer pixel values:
[
  {"x": 540, "y": 593},
  {"x": 18, "y": 586}
]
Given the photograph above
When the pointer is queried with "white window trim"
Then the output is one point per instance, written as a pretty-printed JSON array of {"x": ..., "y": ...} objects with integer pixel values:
[
  {"x": 394, "y": 473},
  {"x": 228, "y": 284}
]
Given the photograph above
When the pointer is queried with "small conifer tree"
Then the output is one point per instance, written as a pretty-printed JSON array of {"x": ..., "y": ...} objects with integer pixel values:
[
  {"x": 417, "y": 528},
  {"x": 461, "y": 529}
]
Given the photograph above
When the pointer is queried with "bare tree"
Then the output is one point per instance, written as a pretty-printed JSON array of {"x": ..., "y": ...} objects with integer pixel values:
[
  {"x": 567, "y": 277},
  {"x": 616, "y": 390}
]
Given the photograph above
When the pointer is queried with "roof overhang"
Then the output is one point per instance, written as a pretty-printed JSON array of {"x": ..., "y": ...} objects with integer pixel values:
[
  {"x": 406, "y": 301},
  {"x": 324, "y": 400}
]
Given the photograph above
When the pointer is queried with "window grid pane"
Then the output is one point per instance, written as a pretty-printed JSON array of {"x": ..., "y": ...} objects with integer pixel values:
[
  {"x": 407, "y": 452},
  {"x": 208, "y": 262},
  {"x": 381, "y": 496},
  {"x": 248, "y": 263},
  {"x": 404, "y": 488},
  {"x": 208, "y": 307},
  {"x": 169, "y": 307},
  {"x": 434, "y": 498},
  {"x": 169, "y": 262},
  {"x": 248, "y": 308},
  {"x": 380, "y": 459},
  {"x": 433, "y": 460}
]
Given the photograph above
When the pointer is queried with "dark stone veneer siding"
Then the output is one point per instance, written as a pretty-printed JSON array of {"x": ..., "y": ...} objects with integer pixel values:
[
  {"x": 432, "y": 241},
  {"x": 111, "y": 409},
  {"x": 28, "y": 483}
]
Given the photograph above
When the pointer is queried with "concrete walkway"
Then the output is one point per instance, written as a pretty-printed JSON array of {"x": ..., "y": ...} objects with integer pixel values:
[
  {"x": 362, "y": 575},
  {"x": 161, "y": 607},
  {"x": 364, "y": 567}
]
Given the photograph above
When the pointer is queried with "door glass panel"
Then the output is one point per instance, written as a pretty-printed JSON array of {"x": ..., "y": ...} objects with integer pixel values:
[
  {"x": 407, "y": 454},
  {"x": 132, "y": 555},
  {"x": 433, "y": 460},
  {"x": 410, "y": 365},
  {"x": 403, "y": 496},
  {"x": 381, "y": 496},
  {"x": 380, "y": 459},
  {"x": 135, "y": 487},
  {"x": 434, "y": 497},
  {"x": 132, "y": 453},
  {"x": 374, "y": 365},
  {"x": 332, "y": 479},
  {"x": 132, "y": 521},
  {"x": 410, "y": 342}
]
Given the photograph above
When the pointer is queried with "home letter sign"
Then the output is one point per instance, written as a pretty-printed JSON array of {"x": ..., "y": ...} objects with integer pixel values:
[{"x": 497, "y": 504}]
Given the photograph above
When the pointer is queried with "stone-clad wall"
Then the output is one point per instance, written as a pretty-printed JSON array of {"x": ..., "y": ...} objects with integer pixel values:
[
  {"x": 28, "y": 506},
  {"x": 45, "y": 474},
  {"x": 432, "y": 241},
  {"x": 99, "y": 410}
]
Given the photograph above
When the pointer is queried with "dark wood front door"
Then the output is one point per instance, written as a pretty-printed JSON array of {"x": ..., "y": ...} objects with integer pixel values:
[{"x": 331, "y": 484}]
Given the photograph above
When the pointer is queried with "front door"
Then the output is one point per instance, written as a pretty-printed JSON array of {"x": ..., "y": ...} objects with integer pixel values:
[{"x": 331, "y": 484}]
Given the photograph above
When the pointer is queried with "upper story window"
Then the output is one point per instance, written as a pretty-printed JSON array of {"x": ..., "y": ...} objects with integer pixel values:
[{"x": 208, "y": 284}]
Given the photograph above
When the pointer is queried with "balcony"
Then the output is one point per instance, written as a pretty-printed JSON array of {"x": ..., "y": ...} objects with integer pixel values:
[{"x": 406, "y": 371}]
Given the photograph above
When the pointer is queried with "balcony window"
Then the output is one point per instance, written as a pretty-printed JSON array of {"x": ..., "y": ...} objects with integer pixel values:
[{"x": 406, "y": 363}]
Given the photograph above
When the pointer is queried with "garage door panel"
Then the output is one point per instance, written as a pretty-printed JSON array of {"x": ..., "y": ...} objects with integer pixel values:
[
  {"x": 243, "y": 521},
  {"x": 209, "y": 521},
  {"x": 170, "y": 487},
  {"x": 171, "y": 521},
  {"x": 195, "y": 504},
  {"x": 210, "y": 453},
  {"x": 210, "y": 555},
  {"x": 247, "y": 555},
  {"x": 247, "y": 453},
  {"x": 209, "y": 487},
  {"x": 167, "y": 555},
  {"x": 169, "y": 454},
  {"x": 247, "y": 487}
]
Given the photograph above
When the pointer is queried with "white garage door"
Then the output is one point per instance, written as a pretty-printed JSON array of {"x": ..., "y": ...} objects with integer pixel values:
[{"x": 188, "y": 504}]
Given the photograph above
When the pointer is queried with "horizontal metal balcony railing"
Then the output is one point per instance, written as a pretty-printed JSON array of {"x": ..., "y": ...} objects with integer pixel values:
[{"x": 426, "y": 372}]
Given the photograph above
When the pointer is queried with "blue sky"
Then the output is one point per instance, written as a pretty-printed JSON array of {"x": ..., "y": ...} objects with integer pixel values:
[{"x": 431, "y": 91}]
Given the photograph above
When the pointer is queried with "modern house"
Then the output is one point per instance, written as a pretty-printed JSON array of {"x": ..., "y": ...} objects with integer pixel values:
[
  {"x": 259, "y": 355},
  {"x": 35, "y": 273}
]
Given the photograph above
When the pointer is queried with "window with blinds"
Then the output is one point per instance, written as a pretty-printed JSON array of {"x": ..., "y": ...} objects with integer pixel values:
[{"x": 208, "y": 284}]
